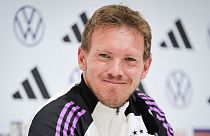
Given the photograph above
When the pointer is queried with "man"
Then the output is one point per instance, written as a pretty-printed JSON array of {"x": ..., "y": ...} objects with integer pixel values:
[{"x": 114, "y": 57}]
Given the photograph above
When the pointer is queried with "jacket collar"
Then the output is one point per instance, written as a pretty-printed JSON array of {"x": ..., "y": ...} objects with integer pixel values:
[
  {"x": 139, "y": 107},
  {"x": 88, "y": 95},
  {"x": 136, "y": 105}
]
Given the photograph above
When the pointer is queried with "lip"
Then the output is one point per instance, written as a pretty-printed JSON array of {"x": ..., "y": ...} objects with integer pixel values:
[{"x": 114, "y": 82}]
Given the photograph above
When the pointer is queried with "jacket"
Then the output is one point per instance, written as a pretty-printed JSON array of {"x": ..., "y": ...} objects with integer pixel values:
[{"x": 80, "y": 113}]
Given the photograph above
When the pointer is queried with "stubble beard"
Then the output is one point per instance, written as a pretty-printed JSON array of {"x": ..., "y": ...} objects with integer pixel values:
[{"x": 112, "y": 102}]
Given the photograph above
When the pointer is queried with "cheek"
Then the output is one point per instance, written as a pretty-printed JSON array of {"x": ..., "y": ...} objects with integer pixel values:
[
  {"x": 135, "y": 72},
  {"x": 135, "y": 75},
  {"x": 95, "y": 67}
]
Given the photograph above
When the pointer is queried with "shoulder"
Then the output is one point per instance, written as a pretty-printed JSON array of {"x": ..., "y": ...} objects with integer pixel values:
[
  {"x": 55, "y": 114},
  {"x": 164, "y": 127}
]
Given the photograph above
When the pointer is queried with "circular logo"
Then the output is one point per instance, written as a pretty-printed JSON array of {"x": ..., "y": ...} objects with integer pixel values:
[
  {"x": 75, "y": 76},
  {"x": 28, "y": 25},
  {"x": 179, "y": 89}
]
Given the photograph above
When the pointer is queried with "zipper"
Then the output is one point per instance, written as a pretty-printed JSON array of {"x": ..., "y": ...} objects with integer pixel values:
[
  {"x": 113, "y": 118},
  {"x": 117, "y": 111}
]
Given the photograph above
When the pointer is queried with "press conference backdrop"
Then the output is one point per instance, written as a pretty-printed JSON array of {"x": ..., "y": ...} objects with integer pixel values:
[{"x": 38, "y": 58}]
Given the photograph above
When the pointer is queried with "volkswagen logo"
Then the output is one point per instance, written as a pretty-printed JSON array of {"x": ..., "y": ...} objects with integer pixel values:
[
  {"x": 179, "y": 89},
  {"x": 28, "y": 25}
]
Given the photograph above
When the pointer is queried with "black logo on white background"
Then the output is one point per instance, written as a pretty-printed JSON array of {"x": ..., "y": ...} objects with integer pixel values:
[
  {"x": 179, "y": 89},
  {"x": 76, "y": 30},
  {"x": 173, "y": 38},
  {"x": 28, "y": 25},
  {"x": 28, "y": 89}
]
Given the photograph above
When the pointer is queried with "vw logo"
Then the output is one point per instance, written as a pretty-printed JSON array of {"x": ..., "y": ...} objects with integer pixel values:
[
  {"x": 179, "y": 89},
  {"x": 28, "y": 25}
]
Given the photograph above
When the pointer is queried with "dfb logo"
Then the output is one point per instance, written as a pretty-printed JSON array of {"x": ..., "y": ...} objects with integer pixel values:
[
  {"x": 28, "y": 89},
  {"x": 179, "y": 89},
  {"x": 76, "y": 30},
  {"x": 28, "y": 25},
  {"x": 173, "y": 39}
]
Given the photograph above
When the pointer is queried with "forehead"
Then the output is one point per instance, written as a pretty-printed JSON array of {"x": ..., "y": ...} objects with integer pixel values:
[
  {"x": 116, "y": 29},
  {"x": 117, "y": 37}
]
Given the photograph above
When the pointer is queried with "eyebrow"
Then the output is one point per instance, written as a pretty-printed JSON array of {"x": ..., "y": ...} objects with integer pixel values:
[
  {"x": 103, "y": 50},
  {"x": 127, "y": 55}
]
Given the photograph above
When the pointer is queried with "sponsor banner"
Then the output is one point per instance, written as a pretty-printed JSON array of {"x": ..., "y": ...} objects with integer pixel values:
[
  {"x": 75, "y": 29},
  {"x": 173, "y": 39},
  {"x": 202, "y": 132},
  {"x": 28, "y": 89},
  {"x": 38, "y": 57},
  {"x": 28, "y": 25},
  {"x": 179, "y": 89}
]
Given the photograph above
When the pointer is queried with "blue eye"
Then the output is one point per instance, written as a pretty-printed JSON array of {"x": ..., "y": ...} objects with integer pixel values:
[{"x": 104, "y": 55}]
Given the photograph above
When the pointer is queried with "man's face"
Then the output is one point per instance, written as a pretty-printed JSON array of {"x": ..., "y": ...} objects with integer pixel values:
[{"x": 114, "y": 65}]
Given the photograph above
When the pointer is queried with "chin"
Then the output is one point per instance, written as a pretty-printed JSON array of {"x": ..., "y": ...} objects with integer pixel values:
[{"x": 114, "y": 103}]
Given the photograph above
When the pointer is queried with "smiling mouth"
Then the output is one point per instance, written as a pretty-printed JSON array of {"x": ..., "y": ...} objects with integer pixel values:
[{"x": 113, "y": 82}]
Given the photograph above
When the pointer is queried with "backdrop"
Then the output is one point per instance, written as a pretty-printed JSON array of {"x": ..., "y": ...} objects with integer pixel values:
[{"x": 38, "y": 58}]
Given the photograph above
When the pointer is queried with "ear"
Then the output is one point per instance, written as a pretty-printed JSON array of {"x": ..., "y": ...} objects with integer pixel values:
[
  {"x": 81, "y": 59},
  {"x": 146, "y": 67}
]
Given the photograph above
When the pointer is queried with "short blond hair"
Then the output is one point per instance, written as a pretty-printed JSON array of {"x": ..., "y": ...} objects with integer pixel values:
[{"x": 117, "y": 15}]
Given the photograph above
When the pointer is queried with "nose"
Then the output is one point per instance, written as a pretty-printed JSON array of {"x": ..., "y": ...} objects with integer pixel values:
[{"x": 115, "y": 69}]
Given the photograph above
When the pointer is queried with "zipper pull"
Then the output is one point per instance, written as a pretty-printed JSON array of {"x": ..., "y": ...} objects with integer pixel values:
[{"x": 117, "y": 111}]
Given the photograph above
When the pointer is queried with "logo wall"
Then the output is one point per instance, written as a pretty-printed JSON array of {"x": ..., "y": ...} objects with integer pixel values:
[
  {"x": 28, "y": 25},
  {"x": 75, "y": 75},
  {"x": 76, "y": 31},
  {"x": 28, "y": 89},
  {"x": 173, "y": 38},
  {"x": 178, "y": 89}
]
